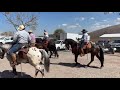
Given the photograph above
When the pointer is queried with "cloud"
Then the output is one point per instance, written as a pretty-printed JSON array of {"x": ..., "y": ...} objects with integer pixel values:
[
  {"x": 105, "y": 20},
  {"x": 70, "y": 26},
  {"x": 64, "y": 24},
  {"x": 80, "y": 19},
  {"x": 118, "y": 20},
  {"x": 92, "y": 18},
  {"x": 73, "y": 26},
  {"x": 99, "y": 25},
  {"x": 110, "y": 12}
]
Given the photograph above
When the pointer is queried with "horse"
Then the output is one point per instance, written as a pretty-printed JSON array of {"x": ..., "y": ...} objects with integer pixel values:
[
  {"x": 2, "y": 52},
  {"x": 95, "y": 50},
  {"x": 31, "y": 55},
  {"x": 47, "y": 45}
]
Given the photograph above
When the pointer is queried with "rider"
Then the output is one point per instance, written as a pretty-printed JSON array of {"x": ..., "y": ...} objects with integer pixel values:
[
  {"x": 46, "y": 36},
  {"x": 33, "y": 40},
  {"x": 20, "y": 38},
  {"x": 84, "y": 40}
]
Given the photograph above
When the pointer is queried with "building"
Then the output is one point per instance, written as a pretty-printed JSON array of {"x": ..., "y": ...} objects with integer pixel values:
[
  {"x": 110, "y": 37},
  {"x": 73, "y": 36}
]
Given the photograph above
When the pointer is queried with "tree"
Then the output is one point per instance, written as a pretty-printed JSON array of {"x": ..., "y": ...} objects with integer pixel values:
[
  {"x": 57, "y": 33},
  {"x": 28, "y": 19}
]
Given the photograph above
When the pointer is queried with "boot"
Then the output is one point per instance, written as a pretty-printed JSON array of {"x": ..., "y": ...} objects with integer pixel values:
[
  {"x": 82, "y": 53},
  {"x": 14, "y": 59}
]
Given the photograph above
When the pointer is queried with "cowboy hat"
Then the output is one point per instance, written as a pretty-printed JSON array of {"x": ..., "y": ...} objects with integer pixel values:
[
  {"x": 21, "y": 27},
  {"x": 84, "y": 30},
  {"x": 30, "y": 31}
]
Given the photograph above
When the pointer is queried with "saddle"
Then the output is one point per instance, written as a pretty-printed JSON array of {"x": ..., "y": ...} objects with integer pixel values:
[
  {"x": 86, "y": 48},
  {"x": 23, "y": 52}
]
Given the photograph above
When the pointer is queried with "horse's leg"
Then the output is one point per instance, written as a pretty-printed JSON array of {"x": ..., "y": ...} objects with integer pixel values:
[
  {"x": 92, "y": 58},
  {"x": 39, "y": 69},
  {"x": 56, "y": 53},
  {"x": 42, "y": 72},
  {"x": 76, "y": 57},
  {"x": 3, "y": 54},
  {"x": 36, "y": 73},
  {"x": 50, "y": 54},
  {"x": 101, "y": 61},
  {"x": 14, "y": 71}
]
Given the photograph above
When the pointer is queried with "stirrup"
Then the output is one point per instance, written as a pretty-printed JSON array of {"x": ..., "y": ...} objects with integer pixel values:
[{"x": 14, "y": 63}]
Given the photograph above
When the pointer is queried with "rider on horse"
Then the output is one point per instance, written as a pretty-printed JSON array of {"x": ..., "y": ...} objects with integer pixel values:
[
  {"x": 46, "y": 36},
  {"x": 20, "y": 39},
  {"x": 33, "y": 39},
  {"x": 84, "y": 41}
]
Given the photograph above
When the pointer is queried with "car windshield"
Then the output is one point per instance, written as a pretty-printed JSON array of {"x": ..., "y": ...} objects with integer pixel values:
[
  {"x": 2, "y": 38},
  {"x": 117, "y": 41}
]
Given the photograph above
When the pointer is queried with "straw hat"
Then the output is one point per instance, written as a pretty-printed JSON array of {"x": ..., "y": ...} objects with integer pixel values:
[
  {"x": 21, "y": 27},
  {"x": 30, "y": 31}
]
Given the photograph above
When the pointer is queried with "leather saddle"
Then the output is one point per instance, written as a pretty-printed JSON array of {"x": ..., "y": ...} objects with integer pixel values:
[
  {"x": 86, "y": 48},
  {"x": 23, "y": 52}
]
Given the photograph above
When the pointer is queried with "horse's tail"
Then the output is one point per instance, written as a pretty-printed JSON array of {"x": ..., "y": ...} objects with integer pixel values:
[
  {"x": 46, "y": 59},
  {"x": 101, "y": 54}
]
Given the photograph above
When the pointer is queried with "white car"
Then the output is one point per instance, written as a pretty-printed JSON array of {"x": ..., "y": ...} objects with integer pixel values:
[
  {"x": 6, "y": 40},
  {"x": 60, "y": 44}
]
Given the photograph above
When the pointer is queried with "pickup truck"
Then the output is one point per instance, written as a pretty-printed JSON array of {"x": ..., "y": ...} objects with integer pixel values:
[
  {"x": 6, "y": 40},
  {"x": 60, "y": 45}
]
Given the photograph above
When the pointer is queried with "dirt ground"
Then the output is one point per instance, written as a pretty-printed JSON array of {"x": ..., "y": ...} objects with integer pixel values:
[{"x": 63, "y": 67}]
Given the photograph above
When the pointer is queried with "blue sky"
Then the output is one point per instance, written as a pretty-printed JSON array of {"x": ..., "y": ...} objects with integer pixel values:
[{"x": 72, "y": 22}]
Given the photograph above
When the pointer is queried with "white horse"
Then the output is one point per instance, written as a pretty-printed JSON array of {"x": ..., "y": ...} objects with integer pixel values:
[{"x": 34, "y": 58}]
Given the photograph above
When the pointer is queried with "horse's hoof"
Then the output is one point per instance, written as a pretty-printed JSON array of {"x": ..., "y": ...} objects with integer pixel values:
[
  {"x": 76, "y": 64},
  {"x": 101, "y": 67},
  {"x": 86, "y": 66},
  {"x": 43, "y": 76}
]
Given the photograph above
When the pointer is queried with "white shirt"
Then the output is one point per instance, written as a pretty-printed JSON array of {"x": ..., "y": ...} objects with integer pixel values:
[
  {"x": 46, "y": 34},
  {"x": 86, "y": 37}
]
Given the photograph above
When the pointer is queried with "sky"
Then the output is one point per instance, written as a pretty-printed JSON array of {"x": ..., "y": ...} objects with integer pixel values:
[{"x": 71, "y": 22}]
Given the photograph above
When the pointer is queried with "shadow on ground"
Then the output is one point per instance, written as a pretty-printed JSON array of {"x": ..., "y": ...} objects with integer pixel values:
[
  {"x": 9, "y": 74},
  {"x": 73, "y": 65}
]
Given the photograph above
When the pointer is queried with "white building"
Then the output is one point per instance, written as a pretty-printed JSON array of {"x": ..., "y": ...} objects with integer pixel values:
[
  {"x": 110, "y": 37},
  {"x": 73, "y": 36}
]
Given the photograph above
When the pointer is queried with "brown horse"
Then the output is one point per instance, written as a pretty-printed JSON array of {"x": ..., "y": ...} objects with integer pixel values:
[
  {"x": 93, "y": 49},
  {"x": 47, "y": 45}
]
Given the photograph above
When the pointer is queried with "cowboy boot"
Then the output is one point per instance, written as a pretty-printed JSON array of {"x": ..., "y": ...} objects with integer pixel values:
[
  {"x": 82, "y": 53},
  {"x": 14, "y": 59}
]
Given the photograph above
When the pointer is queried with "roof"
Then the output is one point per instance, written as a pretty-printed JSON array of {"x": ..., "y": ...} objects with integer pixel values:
[{"x": 110, "y": 35}]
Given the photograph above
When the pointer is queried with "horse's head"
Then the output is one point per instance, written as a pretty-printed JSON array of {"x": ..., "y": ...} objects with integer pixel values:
[
  {"x": 70, "y": 42},
  {"x": 67, "y": 44}
]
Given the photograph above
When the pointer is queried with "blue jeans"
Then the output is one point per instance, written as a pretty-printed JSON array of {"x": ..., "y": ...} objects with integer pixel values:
[{"x": 15, "y": 48}]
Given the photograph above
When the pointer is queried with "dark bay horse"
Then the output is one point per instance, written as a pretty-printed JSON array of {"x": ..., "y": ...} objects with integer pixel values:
[
  {"x": 95, "y": 50},
  {"x": 48, "y": 46}
]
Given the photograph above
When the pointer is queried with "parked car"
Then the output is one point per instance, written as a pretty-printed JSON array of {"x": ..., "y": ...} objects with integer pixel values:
[
  {"x": 107, "y": 47},
  {"x": 6, "y": 40},
  {"x": 60, "y": 45}
]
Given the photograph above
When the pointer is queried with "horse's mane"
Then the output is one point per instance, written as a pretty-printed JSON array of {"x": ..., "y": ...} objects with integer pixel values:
[{"x": 70, "y": 40}]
